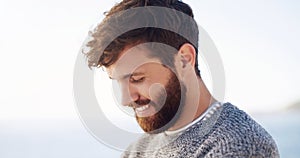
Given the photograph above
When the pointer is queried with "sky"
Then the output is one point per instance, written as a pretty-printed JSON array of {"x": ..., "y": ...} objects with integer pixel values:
[{"x": 258, "y": 42}]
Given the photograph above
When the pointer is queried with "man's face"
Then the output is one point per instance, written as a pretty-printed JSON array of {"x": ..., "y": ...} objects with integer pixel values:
[{"x": 150, "y": 88}]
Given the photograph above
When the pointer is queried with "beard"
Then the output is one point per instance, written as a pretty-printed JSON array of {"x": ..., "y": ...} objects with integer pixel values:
[{"x": 169, "y": 113}]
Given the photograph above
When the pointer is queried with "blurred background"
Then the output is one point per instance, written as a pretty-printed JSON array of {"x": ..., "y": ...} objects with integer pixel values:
[{"x": 39, "y": 41}]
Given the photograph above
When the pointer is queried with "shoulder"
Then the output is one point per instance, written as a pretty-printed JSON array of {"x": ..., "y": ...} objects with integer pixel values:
[{"x": 239, "y": 135}]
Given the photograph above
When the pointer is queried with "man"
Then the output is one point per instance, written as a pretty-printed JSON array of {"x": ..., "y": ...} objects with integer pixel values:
[{"x": 157, "y": 72}]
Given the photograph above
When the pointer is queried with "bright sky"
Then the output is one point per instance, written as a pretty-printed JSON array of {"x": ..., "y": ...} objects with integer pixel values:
[{"x": 257, "y": 40}]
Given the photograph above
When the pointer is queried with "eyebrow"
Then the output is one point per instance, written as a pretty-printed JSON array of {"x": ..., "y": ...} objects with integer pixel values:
[{"x": 129, "y": 75}]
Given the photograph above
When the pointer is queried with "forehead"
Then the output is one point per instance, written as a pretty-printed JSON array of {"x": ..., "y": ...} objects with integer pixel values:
[{"x": 131, "y": 60}]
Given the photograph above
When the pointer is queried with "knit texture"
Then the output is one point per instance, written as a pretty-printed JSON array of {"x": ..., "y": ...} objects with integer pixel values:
[{"x": 228, "y": 133}]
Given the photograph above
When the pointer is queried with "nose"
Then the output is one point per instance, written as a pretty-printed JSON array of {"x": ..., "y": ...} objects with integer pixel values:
[{"x": 129, "y": 94}]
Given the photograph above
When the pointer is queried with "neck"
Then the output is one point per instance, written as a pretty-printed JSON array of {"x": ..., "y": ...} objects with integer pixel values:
[{"x": 198, "y": 99}]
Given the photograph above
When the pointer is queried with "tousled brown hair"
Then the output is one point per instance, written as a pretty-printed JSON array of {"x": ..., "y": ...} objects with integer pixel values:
[{"x": 133, "y": 37}]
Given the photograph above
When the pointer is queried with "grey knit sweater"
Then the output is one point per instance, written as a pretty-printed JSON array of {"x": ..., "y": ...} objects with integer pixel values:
[{"x": 229, "y": 132}]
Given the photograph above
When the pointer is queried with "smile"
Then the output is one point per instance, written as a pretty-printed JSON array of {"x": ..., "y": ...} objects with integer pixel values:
[{"x": 142, "y": 108}]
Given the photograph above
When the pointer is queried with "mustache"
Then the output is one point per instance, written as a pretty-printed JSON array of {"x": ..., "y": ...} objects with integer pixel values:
[{"x": 140, "y": 102}]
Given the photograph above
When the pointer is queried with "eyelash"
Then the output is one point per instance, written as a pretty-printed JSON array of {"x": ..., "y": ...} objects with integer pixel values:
[{"x": 137, "y": 81}]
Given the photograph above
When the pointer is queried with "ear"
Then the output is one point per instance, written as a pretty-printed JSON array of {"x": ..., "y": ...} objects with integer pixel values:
[{"x": 187, "y": 55}]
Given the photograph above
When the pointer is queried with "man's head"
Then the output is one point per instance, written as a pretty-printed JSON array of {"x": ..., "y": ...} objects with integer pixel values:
[{"x": 149, "y": 73}]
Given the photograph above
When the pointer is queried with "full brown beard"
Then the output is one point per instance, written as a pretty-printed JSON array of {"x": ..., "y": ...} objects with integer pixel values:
[{"x": 169, "y": 113}]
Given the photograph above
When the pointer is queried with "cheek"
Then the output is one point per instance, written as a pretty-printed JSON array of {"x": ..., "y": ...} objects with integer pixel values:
[
  {"x": 158, "y": 93},
  {"x": 153, "y": 91},
  {"x": 143, "y": 89}
]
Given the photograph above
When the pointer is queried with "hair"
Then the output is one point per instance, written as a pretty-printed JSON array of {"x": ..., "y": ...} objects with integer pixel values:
[{"x": 110, "y": 54}]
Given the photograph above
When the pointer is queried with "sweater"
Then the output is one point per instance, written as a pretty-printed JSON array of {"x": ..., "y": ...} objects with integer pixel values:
[{"x": 228, "y": 132}]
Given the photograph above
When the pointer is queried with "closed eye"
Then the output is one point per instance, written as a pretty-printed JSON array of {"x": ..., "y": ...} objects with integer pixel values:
[{"x": 135, "y": 79}]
